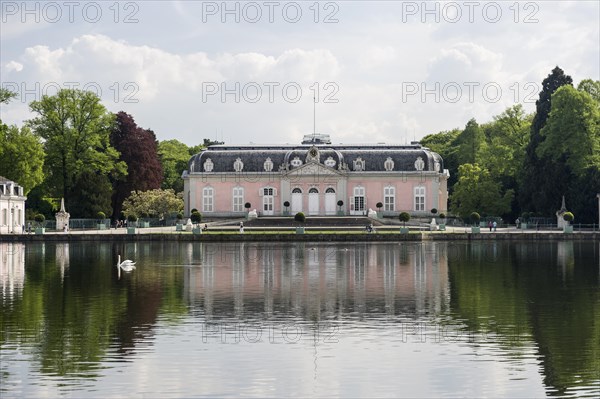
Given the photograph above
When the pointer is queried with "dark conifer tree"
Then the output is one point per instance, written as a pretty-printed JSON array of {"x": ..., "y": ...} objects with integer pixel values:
[{"x": 544, "y": 181}]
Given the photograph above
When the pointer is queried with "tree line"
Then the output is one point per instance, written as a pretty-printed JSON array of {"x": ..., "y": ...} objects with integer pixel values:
[
  {"x": 75, "y": 149},
  {"x": 519, "y": 165}
]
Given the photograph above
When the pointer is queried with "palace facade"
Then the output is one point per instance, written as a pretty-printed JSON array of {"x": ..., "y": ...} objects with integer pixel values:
[
  {"x": 314, "y": 177},
  {"x": 12, "y": 207}
]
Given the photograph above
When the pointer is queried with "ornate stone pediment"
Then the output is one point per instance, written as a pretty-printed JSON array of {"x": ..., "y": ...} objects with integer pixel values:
[{"x": 315, "y": 171}]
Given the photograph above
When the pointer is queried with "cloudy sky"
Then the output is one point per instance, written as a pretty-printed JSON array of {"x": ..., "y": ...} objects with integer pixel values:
[{"x": 252, "y": 71}]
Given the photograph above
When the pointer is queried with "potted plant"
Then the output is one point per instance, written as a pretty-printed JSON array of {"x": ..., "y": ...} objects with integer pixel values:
[
  {"x": 179, "y": 225},
  {"x": 40, "y": 219},
  {"x": 379, "y": 205},
  {"x": 475, "y": 220},
  {"x": 568, "y": 217},
  {"x": 101, "y": 216},
  {"x": 442, "y": 222},
  {"x": 340, "y": 204},
  {"x": 131, "y": 223},
  {"x": 196, "y": 219},
  {"x": 286, "y": 204},
  {"x": 404, "y": 217},
  {"x": 247, "y": 205},
  {"x": 300, "y": 218}
]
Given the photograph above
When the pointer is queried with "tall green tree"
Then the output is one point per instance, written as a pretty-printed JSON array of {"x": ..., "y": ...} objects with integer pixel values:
[
  {"x": 444, "y": 143},
  {"x": 138, "y": 148},
  {"x": 572, "y": 141},
  {"x": 174, "y": 156},
  {"x": 477, "y": 191},
  {"x": 592, "y": 87},
  {"x": 21, "y": 152},
  {"x": 21, "y": 156},
  {"x": 545, "y": 179},
  {"x": 75, "y": 128},
  {"x": 471, "y": 142},
  {"x": 572, "y": 131}
]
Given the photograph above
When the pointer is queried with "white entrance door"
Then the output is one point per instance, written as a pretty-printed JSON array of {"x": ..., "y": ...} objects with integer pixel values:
[
  {"x": 296, "y": 200},
  {"x": 268, "y": 201},
  {"x": 330, "y": 201},
  {"x": 313, "y": 201},
  {"x": 358, "y": 203}
]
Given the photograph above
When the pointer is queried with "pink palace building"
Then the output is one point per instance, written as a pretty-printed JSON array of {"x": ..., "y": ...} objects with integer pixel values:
[{"x": 315, "y": 177}]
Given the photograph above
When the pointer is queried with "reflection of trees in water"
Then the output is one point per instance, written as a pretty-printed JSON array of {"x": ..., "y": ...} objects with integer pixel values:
[
  {"x": 74, "y": 309},
  {"x": 541, "y": 291}
]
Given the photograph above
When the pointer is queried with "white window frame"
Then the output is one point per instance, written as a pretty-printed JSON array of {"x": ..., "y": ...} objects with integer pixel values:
[
  {"x": 389, "y": 198},
  {"x": 238, "y": 199},
  {"x": 268, "y": 203},
  {"x": 358, "y": 191},
  {"x": 419, "y": 198},
  {"x": 208, "y": 199}
]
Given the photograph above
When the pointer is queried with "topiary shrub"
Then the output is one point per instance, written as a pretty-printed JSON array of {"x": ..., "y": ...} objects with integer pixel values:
[
  {"x": 39, "y": 218},
  {"x": 442, "y": 215},
  {"x": 179, "y": 215},
  {"x": 404, "y": 217},
  {"x": 300, "y": 217},
  {"x": 286, "y": 204},
  {"x": 101, "y": 216},
  {"x": 247, "y": 205},
  {"x": 568, "y": 216},
  {"x": 196, "y": 217},
  {"x": 434, "y": 210},
  {"x": 475, "y": 218},
  {"x": 379, "y": 205},
  {"x": 132, "y": 218}
]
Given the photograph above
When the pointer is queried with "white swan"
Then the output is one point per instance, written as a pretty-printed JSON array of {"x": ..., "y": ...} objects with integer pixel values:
[{"x": 127, "y": 265}]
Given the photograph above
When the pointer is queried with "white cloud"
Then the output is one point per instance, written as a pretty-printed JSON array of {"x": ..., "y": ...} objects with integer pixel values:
[
  {"x": 171, "y": 54},
  {"x": 14, "y": 66}
]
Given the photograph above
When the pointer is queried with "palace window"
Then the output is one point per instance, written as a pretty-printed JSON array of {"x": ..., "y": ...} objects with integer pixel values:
[
  {"x": 389, "y": 198},
  {"x": 208, "y": 165},
  {"x": 238, "y": 199},
  {"x": 238, "y": 165},
  {"x": 389, "y": 164},
  {"x": 419, "y": 198},
  {"x": 268, "y": 165},
  {"x": 296, "y": 162},
  {"x": 208, "y": 199},
  {"x": 359, "y": 164},
  {"x": 419, "y": 164}
]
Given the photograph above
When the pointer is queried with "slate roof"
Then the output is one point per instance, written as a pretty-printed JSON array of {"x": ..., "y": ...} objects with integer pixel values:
[{"x": 254, "y": 156}]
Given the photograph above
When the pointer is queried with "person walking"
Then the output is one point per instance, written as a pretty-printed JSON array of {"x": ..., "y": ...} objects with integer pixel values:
[
  {"x": 490, "y": 225},
  {"x": 494, "y": 225}
]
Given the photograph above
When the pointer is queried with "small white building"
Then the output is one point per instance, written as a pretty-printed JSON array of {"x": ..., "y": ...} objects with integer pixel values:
[{"x": 12, "y": 207}]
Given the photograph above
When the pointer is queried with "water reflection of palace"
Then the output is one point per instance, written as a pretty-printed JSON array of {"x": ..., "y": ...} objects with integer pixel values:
[
  {"x": 315, "y": 281},
  {"x": 12, "y": 269}
]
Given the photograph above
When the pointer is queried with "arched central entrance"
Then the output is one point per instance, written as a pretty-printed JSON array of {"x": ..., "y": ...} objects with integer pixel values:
[
  {"x": 296, "y": 200},
  {"x": 330, "y": 201},
  {"x": 313, "y": 201}
]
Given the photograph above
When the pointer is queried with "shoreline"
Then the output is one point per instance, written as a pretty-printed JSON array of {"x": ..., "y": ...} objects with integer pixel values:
[{"x": 250, "y": 236}]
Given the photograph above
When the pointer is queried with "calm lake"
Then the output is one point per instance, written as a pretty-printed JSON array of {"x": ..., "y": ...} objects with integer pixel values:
[{"x": 431, "y": 319}]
